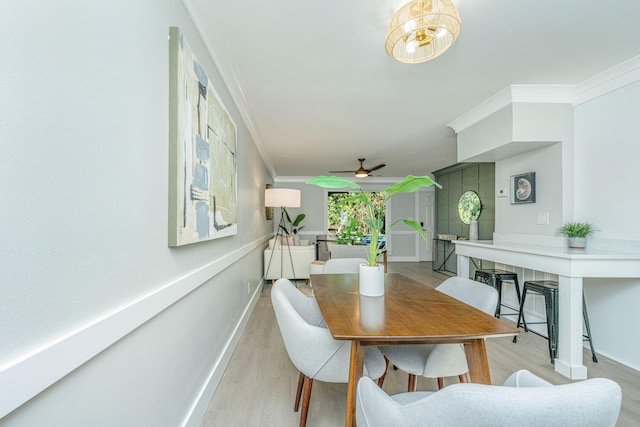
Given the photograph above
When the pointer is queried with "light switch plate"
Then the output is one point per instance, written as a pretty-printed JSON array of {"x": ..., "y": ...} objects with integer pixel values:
[
  {"x": 542, "y": 218},
  {"x": 502, "y": 192}
]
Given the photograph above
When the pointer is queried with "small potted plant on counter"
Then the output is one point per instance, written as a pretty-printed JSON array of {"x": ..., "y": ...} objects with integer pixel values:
[{"x": 577, "y": 233}]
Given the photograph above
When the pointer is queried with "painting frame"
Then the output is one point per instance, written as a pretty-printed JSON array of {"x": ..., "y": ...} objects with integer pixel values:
[
  {"x": 202, "y": 152},
  {"x": 523, "y": 188}
]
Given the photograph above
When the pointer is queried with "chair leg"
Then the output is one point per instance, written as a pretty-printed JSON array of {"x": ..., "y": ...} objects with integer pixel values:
[
  {"x": 440, "y": 383},
  {"x": 463, "y": 378},
  {"x": 413, "y": 383},
  {"x": 386, "y": 366},
  {"x": 299, "y": 392},
  {"x": 308, "y": 383}
]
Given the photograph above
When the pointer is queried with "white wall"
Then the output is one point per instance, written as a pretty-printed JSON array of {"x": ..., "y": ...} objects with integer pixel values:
[
  {"x": 90, "y": 293},
  {"x": 549, "y": 126},
  {"x": 586, "y": 175},
  {"x": 521, "y": 219},
  {"x": 607, "y": 152},
  {"x": 488, "y": 134}
]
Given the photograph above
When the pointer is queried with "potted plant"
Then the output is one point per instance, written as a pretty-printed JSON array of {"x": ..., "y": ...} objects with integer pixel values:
[
  {"x": 577, "y": 233},
  {"x": 294, "y": 226},
  {"x": 374, "y": 222}
]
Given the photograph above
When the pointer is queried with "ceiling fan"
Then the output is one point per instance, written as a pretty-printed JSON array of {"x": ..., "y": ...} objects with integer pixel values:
[{"x": 361, "y": 172}]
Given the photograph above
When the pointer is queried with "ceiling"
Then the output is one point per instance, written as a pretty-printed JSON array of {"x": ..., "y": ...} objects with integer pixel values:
[{"x": 318, "y": 89}]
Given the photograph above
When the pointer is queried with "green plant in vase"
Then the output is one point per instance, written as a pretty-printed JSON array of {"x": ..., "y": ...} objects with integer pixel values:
[
  {"x": 577, "y": 229},
  {"x": 375, "y": 222},
  {"x": 577, "y": 233}
]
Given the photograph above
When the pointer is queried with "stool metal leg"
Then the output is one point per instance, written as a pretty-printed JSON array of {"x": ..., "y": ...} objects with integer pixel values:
[
  {"x": 521, "y": 320},
  {"x": 497, "y": 284},
  {"x": 521, "y": 311},
  {"x": 552, "y": 323},
  {"x": 585, "y": 316},
  {"x": 515, "y": 282}
]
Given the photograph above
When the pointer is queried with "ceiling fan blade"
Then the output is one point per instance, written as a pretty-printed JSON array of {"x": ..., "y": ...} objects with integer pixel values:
[
  {"x": 377, "y": 167},
  {"x": 341, "y": 171}
]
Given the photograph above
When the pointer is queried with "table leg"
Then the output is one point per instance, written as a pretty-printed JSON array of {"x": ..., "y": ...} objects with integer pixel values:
[
  {"x": 356, "y": 368},
  {"x": 476, "y": 352},
  {"x": 569, "y": 361}
]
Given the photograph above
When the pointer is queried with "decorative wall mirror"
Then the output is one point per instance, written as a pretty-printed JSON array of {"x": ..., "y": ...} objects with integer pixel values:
[{"x": 469, "y": 206}]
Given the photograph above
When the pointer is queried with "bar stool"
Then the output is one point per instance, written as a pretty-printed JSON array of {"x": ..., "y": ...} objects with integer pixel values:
[
  {"x": 495, "y": 277},
  {"x": 549, "y": 289}
]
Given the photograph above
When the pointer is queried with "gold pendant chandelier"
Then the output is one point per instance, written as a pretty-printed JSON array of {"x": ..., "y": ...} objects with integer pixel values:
[{"x": 422, "y": 30}]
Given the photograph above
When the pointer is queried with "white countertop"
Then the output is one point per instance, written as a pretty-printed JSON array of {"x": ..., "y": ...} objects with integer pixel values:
[{"x": 553, "y": 251}]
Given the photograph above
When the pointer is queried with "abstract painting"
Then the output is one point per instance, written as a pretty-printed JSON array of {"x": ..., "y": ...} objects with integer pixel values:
[{"x": 202, "y": 158}]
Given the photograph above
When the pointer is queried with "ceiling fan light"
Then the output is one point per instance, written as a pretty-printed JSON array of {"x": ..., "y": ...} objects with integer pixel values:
[
  {"x": 437, "y": 21},
  {"x": 362, "y": 174}
]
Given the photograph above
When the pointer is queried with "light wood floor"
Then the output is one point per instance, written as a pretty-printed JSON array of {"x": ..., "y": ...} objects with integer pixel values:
[{"x": 258, "y": 386}]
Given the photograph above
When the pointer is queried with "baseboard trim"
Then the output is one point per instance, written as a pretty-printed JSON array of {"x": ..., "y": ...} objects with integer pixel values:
[
  {"x": 61, "y": 355},
  {"x": 201, "y": 403}
]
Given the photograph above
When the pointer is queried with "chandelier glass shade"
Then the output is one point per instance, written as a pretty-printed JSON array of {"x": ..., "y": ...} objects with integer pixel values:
[{"x": 422, "y": 30}]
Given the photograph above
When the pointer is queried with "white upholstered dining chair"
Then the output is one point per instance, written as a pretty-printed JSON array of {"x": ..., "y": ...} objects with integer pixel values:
[
  {"x": 310, "y": 346},
  {"x": 524, "y": 400},
  {"x": 443, "y": 360}
]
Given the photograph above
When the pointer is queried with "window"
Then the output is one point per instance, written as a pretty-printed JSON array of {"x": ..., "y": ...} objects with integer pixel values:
[{"x": 346, "y": 219}]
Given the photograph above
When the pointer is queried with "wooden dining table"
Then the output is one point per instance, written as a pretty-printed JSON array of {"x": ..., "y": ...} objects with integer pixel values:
[{"x": 410, "y": 312}]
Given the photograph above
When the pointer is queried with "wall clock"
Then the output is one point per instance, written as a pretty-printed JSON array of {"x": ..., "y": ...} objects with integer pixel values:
[{"x": 523, "y": 188}]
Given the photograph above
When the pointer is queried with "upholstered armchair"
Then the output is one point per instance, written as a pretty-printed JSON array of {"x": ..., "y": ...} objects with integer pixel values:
[
  {"x": 310, "y": 346},
  {"x": 299, "y": 262},
  {"x": 524, "y": 400},
  {"x": 443, "y": 360}
]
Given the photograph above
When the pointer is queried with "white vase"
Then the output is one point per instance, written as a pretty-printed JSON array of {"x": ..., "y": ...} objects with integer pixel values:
[
  {"x": 473, "y": 229},
  {"x": 371, "y": 280}
]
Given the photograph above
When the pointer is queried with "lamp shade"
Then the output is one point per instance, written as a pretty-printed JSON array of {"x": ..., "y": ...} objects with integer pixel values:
[
  {"x": 281, "y": 197},
  {"x": 422, "y": 30}
]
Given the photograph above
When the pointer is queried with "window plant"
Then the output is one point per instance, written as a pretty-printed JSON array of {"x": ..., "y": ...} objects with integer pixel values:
[
  {"x": 376, "y": 211},
  {"x": 349, "y": 234}
]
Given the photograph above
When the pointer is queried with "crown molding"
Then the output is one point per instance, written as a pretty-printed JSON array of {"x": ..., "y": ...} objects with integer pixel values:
[
  {"x": 610, "y": 80},
  {"x": 614, "y": 78},
  {"x": 483, "y": 110},
  {"x": 229, "y": 76}
]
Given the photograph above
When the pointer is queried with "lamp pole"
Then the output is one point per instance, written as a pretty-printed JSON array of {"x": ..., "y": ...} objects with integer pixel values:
[{"x": 282, "y": 198}]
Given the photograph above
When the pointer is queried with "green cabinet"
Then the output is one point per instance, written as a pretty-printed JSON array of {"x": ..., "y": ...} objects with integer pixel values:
[{"x": 455, "y": 180}]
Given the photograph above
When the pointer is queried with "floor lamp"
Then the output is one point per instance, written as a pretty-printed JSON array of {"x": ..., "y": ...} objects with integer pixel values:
[{"x": 281, "y": 198}]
